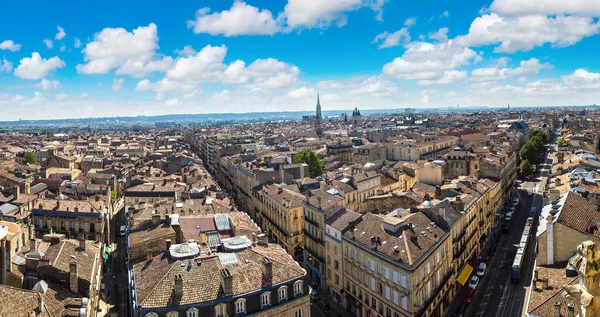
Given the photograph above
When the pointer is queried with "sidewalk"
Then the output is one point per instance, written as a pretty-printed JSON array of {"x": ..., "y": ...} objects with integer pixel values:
[{"x": 334, "y": 310}]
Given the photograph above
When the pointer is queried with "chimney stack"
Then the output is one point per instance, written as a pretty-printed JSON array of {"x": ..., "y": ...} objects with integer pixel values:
[
  {"x": 571, "y": 310},
  {"x": 556, "y": 309},
  {"x": 178, "y": 285},
  {"x": 82, "y": 241},
  {"x": 253, "y": 238},
  {"x": 438, "y": 192},
  {"x": 41, "y": 306},
  {"x": 17, "y": 192},
  {"x": 149, "y": 255},
  {"x": 227, "y": 282},
  {"x": 32, "y": 244},
  {"x": 73, "y": 278},
  {"x": 267, "y": 267},
  {"x": 155, "y": 217},
  {"x": 168, "y": 242},
  {"x": 319, "y": 202}
]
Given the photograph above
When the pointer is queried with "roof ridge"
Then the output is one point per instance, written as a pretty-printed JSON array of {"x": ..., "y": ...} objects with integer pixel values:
[
  {"x": 555, "y": 293},
  {"x": 410, "y": 261},
  {"x": 157, "y": 284}
]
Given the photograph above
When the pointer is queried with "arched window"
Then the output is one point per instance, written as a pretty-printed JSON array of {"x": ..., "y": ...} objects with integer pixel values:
[
  {"x": 192, "y": 312},
  {"x": 153, "y": 314},
  {"x": 220, "y": 310},
  {"x": 240, "y": 306},
  {"x": 297, "y": 288},
  {"x": 172, "y": 314},
  {"x": 265, "y": 299},
  {"x": 283, "y": 293}
]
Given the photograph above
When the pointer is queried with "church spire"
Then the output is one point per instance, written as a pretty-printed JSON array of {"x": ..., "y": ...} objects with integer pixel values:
[{"x": 318, "y": 114}]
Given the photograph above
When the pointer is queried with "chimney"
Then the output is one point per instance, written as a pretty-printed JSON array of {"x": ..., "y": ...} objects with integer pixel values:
[
  {"x": 73, "y": 277},
  {"x": 438, "y": 192},
  {"x": 267, "y": 268},
  {"x": 178, "y": 289},
  {"x": 319, "y": 202},
  {"x": 571, "y": 310},
  {"x": 155, "y": 217},
  {"x": 556, "y": 309},
  {"x": 58, "y": 204},
  {"x": 148, "y": 255},
  {"x": 168, "y": 242},
  {"x": 82, "y": 243},
  {"x": 32, "y": 244},
  {"x": 545, "y": 283},
  {"x": 4, "y": 261},
  {"x": 227, "y": 282},
  {"x": 41, "y": 306},
  {"x": 253, "y": 238},
  {"x": 443, "y": 213},
  {"x": 17, "y": 192}
]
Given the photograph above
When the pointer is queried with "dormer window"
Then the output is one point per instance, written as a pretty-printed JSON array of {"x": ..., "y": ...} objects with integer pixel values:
[
  {"x": 297, "y": 288},
  {"x": 265, "y": 299},
  {"x": 282, "y": 293},
  {"x": 240, "y": 306}
]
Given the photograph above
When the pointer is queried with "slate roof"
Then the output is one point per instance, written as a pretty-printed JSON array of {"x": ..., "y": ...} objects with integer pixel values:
[
  {"x": 155, "y": 279},
  {"x": 578, "y": 213}
]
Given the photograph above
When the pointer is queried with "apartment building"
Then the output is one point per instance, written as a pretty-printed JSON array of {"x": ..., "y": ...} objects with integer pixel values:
[
  {"x": 397, "y": 266},
  {"x": 282, "y": 217}
]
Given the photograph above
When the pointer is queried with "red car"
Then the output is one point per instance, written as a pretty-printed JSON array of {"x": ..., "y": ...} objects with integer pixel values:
[
  {"x": 470, "y": 295},
  {"x": 487, "y": 260}
]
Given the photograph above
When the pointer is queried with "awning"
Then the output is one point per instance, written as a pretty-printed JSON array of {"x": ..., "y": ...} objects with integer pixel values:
[{"x": 464, "y": 275}]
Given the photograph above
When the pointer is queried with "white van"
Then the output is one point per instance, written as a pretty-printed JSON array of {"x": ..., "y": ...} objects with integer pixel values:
[{"x": 123, "y": 230}]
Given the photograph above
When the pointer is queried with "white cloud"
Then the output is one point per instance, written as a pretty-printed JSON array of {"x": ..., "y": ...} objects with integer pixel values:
[
  {"x": 61, "y": 96},
  {"x": 448, "y": 77},
  {"x": 192, "y": 94},
  {"x": 84, "y": 95},
  {"x": 545, "y": 7},
  {"x": 301, "y": 93},
  {"x": 61, "y": 34},
  {"x": 9, "y": 45},
  {"x": 117, "y": 84},
  {"x": 582, "y": 78},
  {"x": 321, "y": 14},
  {"x": 375, "y": 87},
  {"x": 445, "y": 14},
  {"x": 527, "y": 68},
  {"x": 429, "y": 61},
  {"x": 165, "y": 85},
  {"x": 5, "y": 66},
  {"x": 186, "y": 51},
  {"x": 63, "y": 48},
  {"x": 410, "y": 22},
  {"x": 329, "y": 84},
  {"x": 240, "y": 19},
  {"x": 49, "y": 43},
  {"x": 272, "y": 73},
  {"x": 77, "y": 43},
  {"x": 173, "y": 102},
  {"x": 223, "y": 95},
  {"x": 99, "y": 84},
  {"x": 36, "y": 67},
  {"x": 388, "y": 40},
  {"x": 523, "y": 33},
  {"x": 440, "y": 35},
  {"x": 48, "y": 84},
  {"x": 130, "y": 53}
]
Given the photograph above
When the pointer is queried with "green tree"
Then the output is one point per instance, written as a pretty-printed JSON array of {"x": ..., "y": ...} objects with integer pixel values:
[
  {"x": 540, "y": 134},
  {"x": 29, "y": 158},
  {"x": 562, "y": 142},
  {"x": 314, "y": 164},
  {"x": 525, "y": 167},
  {"x": 113, "y": 195}
]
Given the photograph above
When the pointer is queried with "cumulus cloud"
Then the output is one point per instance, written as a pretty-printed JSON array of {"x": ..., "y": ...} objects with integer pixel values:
[
  {"x": 387, "y": 40},
  {"x": 410, "y": 22},
  {"x": 61, "y": 96},
  {"x": 583, "y": 79},
  {"x": 301, "y": 93},
  {"x": 523, "y": 33},
  {"x": 49, "y": 43},
  {"x": 46, "y": 84},
  {"x": 430, "y": 61},
  {"x": 5, "y": 66},
  {"x": 9, "y": 45},
  {"x": 173, "y": 102},
  {"x": 117, "y": 84},
  {"x": 448, "y": 77},
  {"x": 61, "y": 34},
  {"x": 527, "y": 68},
  {"x": 36, "y": 67},
  {"x": 77, "y": 43},
  {"x": 129, "y": 53},
  {"x": 186, "y": 51},
  {"x": 440, "y": 35},
  {"x": 547, "y": 7},
  {"x": 240, "y": 19},
  {"x": 321, "y": 14}
]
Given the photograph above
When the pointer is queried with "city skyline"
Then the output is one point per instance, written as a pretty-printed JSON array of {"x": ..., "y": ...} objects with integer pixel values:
[{"x": 99, "y": 60}]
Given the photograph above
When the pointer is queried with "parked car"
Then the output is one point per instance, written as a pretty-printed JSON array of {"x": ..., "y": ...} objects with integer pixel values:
[
  {"x": 516, "y": 201},
  {"x": 492, "y": 250},
  {"x": 473, "y": 282},
  {"x": 470, "y": 295},
  {"x": 508, "y": 215},
  {"x": 529, "y": 192},
  {"x": 123, "y": 230},
  {"x": 460, "y": 312},
  {"x": 481, "y": 269},
  {"x": 487, "y": 260}
]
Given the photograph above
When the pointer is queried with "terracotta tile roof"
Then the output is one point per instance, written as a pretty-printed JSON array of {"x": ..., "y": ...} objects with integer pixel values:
[
  {"x": 283, "y": 196},
  {"x": 20, "y": 302},
  {"x": 411, "y": 244},
  {"x": 557, "y": 279},
  {"x": 578, "y": 213},
  {"x": 342, "y": 219},
  {"x": 155, "y": 279}
]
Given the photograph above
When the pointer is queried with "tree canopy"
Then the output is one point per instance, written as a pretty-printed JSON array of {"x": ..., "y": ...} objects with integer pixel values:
[
  {"x": 562, "y": 142},
  {"x": 525, "y": 167},
  {"x": 534, "y": 147},
  {"x": 29, "y": 158},
  {"x": 314, "y": 164}
]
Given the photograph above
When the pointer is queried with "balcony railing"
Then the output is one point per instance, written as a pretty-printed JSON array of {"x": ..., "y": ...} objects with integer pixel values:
[
  {"x": 311, "y": 221},
  {"x": 437, "y": 291},
  {"x": 315, "y": 255},
  {"x": 310, "y": 236}
]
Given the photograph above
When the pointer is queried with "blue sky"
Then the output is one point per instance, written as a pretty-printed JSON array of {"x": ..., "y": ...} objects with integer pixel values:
[{"x": 111, "y": 58}]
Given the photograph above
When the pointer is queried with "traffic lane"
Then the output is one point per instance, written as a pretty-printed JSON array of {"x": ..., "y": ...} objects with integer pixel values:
[{"x": 486, "y": 303}]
